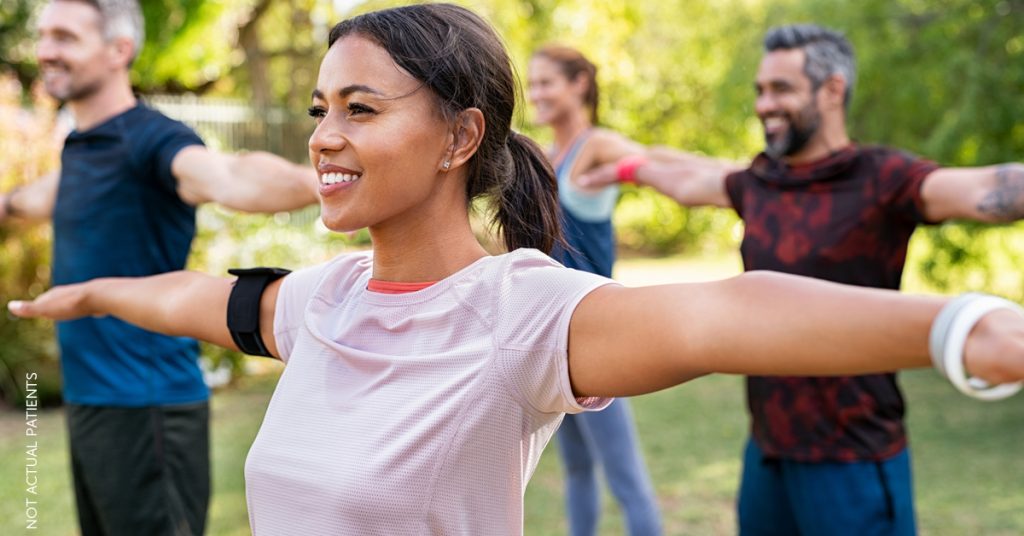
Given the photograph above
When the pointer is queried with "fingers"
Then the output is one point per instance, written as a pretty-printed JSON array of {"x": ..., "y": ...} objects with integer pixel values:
[
  {"x": 58, "y": 303},
  {"x": 994, "y": 351},
  {"x": 21, "y": 309},
  {"x": 1010, "y": 354},
  {"x": 601, "y": 176}
]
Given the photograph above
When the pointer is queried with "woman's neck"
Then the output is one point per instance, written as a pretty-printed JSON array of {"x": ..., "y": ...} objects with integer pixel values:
[
  {"x": 428, "y": 260},
  {"x": 567, "y": 130},
  {"x": 428, "y": 248}
]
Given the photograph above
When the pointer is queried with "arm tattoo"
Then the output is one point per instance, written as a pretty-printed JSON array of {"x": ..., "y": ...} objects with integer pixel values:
[{"x": 1005, "y": 202}]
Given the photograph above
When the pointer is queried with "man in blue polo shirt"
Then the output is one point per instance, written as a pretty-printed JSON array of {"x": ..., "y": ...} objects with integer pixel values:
[{"x": 123, "y": 204}]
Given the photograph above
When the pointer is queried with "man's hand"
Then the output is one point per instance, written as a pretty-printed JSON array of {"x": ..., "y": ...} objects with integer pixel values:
[
  {"x": 32, "y": 201},
  {"x": 249, "y": 182}
]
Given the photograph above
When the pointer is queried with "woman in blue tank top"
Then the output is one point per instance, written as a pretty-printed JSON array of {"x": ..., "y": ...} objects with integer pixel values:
[{"x": 563, "y": 92}]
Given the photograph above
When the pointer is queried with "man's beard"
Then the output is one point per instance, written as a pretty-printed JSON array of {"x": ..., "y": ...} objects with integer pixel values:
[
  {"x": 72, "y": 89},
  {"x": 800, "y": 130}
]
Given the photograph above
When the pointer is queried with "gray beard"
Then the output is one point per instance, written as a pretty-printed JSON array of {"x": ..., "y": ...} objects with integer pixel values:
[
  {"x": 74, "y": 92},
  {"x": 796, "y": 138}
]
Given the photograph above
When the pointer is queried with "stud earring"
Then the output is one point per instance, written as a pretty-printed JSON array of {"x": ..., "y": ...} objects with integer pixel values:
[{"x": 446, "y": 164}]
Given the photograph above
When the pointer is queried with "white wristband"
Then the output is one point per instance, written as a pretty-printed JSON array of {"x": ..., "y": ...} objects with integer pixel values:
[{"x": 949, "y": 335}]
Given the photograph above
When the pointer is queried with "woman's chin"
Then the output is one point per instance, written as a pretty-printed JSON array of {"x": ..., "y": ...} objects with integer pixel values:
[{"x": 340, "y": 224}]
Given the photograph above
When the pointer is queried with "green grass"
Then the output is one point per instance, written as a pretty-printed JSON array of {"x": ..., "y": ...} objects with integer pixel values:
[
  {"x": 237, "y": 414},
  {"x": 968, "y": 455},
  {"x": 968, "y": 460},
  {"x": 968, "y": 464}
]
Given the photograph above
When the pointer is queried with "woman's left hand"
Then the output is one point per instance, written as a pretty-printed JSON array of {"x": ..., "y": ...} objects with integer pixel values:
[
  {"x": 59, "y": 303},
  {"x": 994, "y": 350}
]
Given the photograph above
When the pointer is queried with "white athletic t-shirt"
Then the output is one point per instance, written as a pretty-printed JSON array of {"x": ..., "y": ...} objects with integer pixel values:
[{"x": 418, "y": 413}]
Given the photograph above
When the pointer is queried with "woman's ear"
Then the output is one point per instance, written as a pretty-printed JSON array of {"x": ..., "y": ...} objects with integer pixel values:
[
  {"x": 580, "y": 85},
  {"x": 466, "y": 138}
]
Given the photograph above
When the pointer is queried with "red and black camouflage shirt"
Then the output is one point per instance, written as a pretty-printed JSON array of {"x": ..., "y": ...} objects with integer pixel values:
[{"x": 846, "y": 218}]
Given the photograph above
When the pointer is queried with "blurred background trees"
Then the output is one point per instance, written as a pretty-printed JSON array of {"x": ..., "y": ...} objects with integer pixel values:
[{"x": 940, "y": 78}]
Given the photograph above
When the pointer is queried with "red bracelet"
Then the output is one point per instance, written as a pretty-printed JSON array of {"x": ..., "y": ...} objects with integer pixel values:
[{"x": 625, "y": 170}]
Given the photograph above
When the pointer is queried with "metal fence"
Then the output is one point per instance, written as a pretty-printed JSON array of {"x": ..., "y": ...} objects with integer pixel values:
[{"x": 233, "y": 125}]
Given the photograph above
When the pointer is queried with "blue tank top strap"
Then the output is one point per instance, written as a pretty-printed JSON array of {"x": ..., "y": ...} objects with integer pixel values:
[
  {"x": 585, "y": 206},
  {"x": 591, "y": 240},
  {"x": 565, "y": 166}
]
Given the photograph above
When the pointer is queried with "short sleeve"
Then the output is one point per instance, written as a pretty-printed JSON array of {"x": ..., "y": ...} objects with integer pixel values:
[
  {"x": 734, "y": 183},
  {"x": 296, "y": 290},
  {"x": 174, "y": 141},
  {"x": 158, "y": 141},
  {"x": 900, "y": 177},
  {"x": 536, "y": 303}
]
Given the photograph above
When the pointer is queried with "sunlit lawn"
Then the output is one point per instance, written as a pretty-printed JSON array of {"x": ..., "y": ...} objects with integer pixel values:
[{"x": 968, "y": 456}]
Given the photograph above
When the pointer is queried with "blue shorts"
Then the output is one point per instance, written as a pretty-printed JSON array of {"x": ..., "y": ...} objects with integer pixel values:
[{"x": 781, "y": 497}]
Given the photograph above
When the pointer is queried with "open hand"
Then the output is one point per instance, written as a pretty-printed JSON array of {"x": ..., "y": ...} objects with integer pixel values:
[{"x": 59, "y": 303}]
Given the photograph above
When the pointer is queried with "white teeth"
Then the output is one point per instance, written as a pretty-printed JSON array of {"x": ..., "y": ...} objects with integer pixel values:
[
  {"x": 334, "y": 178},
  {"x": 774, "y": 122}
]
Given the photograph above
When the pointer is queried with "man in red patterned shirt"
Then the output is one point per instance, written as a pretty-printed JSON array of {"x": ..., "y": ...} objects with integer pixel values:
[{"x": 826, "y": 455}]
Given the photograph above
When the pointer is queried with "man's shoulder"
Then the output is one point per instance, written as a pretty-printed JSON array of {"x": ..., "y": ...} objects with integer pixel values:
[
  {"x": 150, "y": 132},
  {"x": 882, "y": 153},
  {"x": 890, "y": 162},
  {"x": 150, "y": 119}
]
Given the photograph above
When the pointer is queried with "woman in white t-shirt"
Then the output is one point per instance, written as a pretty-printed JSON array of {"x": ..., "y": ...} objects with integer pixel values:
[{"x": 424, "y": 378}]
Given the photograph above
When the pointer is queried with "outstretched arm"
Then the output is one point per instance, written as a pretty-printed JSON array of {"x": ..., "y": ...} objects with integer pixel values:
[
  {"x": 249, "y": 182},
  {"x": 604, "y": 147},
  {"x": 690, "y": 179},
  {"x": 33, "y": 201},
  {"x": 627, "y": 341},
  {"x": 993, "y": 194},
  {"x": 187, "y": 304}
]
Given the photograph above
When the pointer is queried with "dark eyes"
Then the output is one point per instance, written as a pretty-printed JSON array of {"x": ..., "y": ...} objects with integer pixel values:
[{"x": 354, "y": 109}]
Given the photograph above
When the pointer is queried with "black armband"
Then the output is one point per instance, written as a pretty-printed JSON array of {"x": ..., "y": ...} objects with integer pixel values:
[{"x": 244, "y": 307}]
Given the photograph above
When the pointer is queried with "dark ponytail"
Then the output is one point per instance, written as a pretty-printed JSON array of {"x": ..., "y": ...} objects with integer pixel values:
[
  {"x": 460, "y": 58},
  {"x": 527, "y": 205}
]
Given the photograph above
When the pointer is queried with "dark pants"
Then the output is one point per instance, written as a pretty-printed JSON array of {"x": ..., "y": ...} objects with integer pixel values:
[
  {"x": 141, "y": 471},
  {"x": 787, "y": 498}
]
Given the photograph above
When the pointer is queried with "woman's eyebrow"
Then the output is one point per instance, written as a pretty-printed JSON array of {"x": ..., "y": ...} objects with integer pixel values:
[{"x": 348, "y": 90}]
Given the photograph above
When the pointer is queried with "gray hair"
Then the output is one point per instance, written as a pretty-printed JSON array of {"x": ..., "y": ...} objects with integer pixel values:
[
  {"x": 827, "y": 53},
  {"x": 121, "y": 18}
]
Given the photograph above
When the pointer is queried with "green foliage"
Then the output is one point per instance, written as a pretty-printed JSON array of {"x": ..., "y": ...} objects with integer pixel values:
[
  {"x": 969, "y": 256},
  {"x": 936, "y": 78},
  {"x": 187, "y": 44},
  {"x": 28, "y": 148},
  {"x": 16, "y": 51},
  {"x": 654, "y": 224}
]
